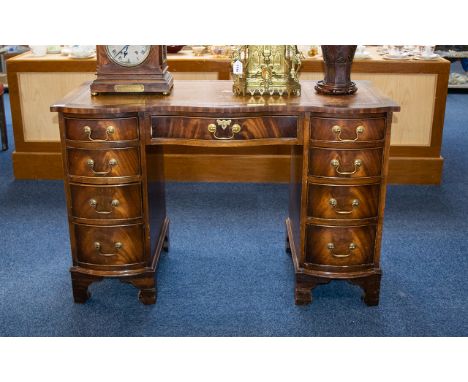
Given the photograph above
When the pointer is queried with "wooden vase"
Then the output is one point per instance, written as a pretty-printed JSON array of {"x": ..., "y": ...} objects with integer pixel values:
[{"x": 337, "y": 61}]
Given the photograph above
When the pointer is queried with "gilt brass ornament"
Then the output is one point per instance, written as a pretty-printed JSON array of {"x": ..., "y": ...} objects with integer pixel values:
[{"x": 266, "y": 69}]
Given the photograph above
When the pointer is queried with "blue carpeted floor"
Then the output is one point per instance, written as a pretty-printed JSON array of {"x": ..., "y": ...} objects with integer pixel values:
[{"x": 227, "y": 273}]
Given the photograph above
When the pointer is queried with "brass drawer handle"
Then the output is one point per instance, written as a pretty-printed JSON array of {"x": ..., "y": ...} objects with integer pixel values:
[
  {"x": 224, "y": 124},
  {"x": 337, "y": 131},
  {"x": 112, "y": 162},
  {"x": 109, "y": 131},
  {"x": 336, "y": 164},
  {"x": 331, "y": 247},
  {"x": 333, "y": 202},
  {"x": 118, "y": 245},
  {"x": 93, "y": 203}
]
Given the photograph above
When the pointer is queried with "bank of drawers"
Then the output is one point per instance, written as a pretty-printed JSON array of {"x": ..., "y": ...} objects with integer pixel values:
[
  {"x": 106, "y": 210},
  {"x": 343, "y": 194}
]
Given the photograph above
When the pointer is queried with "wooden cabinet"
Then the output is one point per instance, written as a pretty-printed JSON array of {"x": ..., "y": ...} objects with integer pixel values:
[
  {"x": 104, "y": 182},
  {"x": 115, "y": 192}
]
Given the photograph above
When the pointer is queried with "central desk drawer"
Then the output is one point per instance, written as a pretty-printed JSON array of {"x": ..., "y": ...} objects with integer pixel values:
[{"x": 225, "y": 128}]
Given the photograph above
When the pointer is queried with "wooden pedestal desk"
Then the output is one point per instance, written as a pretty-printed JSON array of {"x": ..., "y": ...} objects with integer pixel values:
[{"x": 116, "y": 194}]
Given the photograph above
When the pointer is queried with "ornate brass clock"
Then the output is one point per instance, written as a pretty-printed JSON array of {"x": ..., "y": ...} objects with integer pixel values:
[
  {"x": 132, "y": 69},
  {"x": 266, "y": 69}
]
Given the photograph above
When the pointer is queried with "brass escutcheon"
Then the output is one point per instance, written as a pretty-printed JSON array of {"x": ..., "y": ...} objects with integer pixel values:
[
  {"x": 337, "y": 131},
  {"x": 331, "y": 248},
  {"x": 224, "y": 124},
  {"x": 109, "y": 131}
]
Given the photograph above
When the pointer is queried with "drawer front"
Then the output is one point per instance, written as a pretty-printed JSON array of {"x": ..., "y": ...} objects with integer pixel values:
[
  {"x": 343, "y": 202},
  {"x": 347, "y": 130},
  {"x": 345, "y": 163},
  {"x": 340, "y": 246},
  {"x": 224, "y": 128},
  {"x": 103, "y": 163},
  {"x": 106, "y": 202},
  {"x": 101, "y": 130},
  {"x": 119, "y": 245}
]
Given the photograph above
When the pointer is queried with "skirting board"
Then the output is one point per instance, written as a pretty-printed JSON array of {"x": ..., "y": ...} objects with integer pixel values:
[{"x": 229, "y": 168}]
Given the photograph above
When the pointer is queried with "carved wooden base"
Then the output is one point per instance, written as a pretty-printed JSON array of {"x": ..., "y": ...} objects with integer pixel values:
[
  {"x": 304, "y": 286},
  {"x": 371, "y": 287},
  {"x": 145, "y": 282},
  {"x": 306, "y": 283},
  {"x": 80, "y": 284}
]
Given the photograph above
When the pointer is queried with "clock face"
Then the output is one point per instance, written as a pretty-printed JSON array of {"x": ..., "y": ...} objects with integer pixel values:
[{"x": 128, "y": 55}]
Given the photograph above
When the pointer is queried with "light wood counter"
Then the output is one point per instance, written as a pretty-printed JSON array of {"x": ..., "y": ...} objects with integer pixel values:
[{"x": 420, "y": 87}]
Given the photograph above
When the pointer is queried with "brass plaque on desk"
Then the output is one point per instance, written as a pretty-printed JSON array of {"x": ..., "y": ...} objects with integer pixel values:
[
  {"x": 132, "y": 88},
  {"x": 266, "y": 69}
]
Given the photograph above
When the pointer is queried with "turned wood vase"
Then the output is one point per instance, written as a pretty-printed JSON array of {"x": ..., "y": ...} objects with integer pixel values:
[{"x": 337, "y": 66}]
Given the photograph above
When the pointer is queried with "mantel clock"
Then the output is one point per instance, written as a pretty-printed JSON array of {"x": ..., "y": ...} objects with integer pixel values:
[
  {"x": 132, "y": 69},
  {"x": 266, "y": 69}
]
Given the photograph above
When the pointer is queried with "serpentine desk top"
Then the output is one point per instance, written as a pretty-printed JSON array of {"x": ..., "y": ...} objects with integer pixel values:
[{"x": 217, "y": 96}]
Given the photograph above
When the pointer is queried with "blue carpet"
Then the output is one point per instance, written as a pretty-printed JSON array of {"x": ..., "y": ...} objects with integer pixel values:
[{"x": 227, "y": 273}]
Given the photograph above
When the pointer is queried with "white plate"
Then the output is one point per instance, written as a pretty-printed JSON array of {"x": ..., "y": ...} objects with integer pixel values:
[
  {"x": 431, "y": 57},
  {"x": 390, "y": 57},
  {"x": 362, "y": 56},
  {"x": 81, "y": 57}
]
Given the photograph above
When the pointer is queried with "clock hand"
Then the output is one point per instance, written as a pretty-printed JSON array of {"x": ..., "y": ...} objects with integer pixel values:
[{"x": 122, "y": 51}]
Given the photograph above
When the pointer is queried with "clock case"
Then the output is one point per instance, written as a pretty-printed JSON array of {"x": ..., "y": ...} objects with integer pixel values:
[{"x": 150, "y": 76}]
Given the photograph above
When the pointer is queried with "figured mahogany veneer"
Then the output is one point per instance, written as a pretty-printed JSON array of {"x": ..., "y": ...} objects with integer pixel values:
[
  {"x": 101, "y": 130},
  {"x": 106, "y": 202},
  {"x": 332, "y": 246},
  {"x": 114, "y": 246},
  {"x": 347, "y": 130},
  {"x": 249, "y": 128},
  {"x": 347, "y": 165},
  {"x": 116, "y": 197},
  {"x": 343, "y": 202},
  {"x": 115, "y": 162}
]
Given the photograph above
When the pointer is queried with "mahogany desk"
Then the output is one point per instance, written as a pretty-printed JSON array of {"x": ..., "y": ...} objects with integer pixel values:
[{"x": 112, "y": 148}]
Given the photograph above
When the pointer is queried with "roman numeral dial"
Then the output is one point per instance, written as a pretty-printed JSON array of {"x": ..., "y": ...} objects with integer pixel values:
[{"x": 128, "y": 55}]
